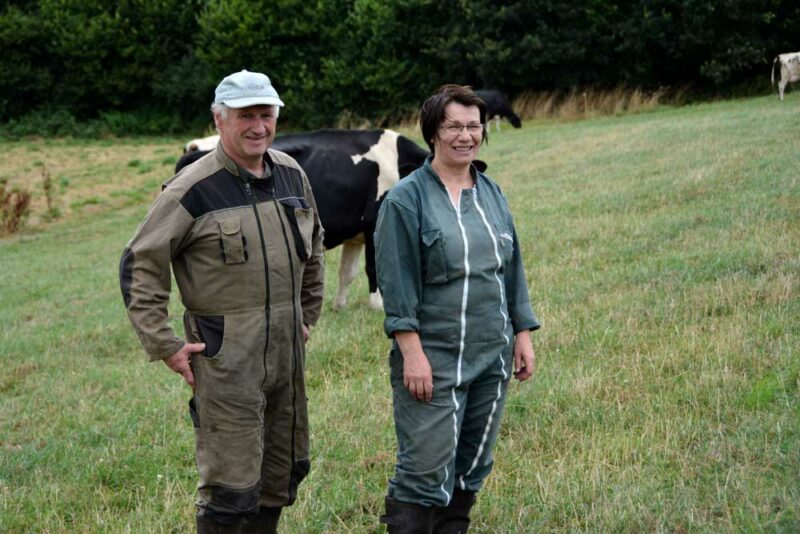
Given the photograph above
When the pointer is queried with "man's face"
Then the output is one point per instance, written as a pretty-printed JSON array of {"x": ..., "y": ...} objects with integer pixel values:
[{"x": 246, "y": 133}]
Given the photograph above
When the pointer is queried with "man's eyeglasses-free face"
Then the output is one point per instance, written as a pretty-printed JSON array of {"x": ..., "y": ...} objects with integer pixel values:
[{"x": 453, "y": 129}]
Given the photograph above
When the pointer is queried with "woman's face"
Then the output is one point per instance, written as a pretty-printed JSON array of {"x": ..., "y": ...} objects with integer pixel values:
[{"x": 458, "y": 138}]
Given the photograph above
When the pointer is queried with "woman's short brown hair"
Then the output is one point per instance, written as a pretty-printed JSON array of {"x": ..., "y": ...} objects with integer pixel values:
[{"x": 432, "y": 114}]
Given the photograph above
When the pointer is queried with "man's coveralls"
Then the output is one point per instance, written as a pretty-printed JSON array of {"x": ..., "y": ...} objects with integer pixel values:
[{"x": 247, "y": 256}]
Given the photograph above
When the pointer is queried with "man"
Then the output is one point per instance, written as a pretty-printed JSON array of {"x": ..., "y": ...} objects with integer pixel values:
[{"x": 242, "y": 233}]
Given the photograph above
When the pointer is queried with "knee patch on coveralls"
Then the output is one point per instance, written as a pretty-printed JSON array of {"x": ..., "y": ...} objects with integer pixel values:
[{"x": 229, "y": 506}]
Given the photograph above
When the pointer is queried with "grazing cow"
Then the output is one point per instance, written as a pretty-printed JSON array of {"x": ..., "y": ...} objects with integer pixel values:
[
  {"x": 790, "y": 70},
  {"x": 497, "y": 106},
  {"x": 349, "y": 172}
]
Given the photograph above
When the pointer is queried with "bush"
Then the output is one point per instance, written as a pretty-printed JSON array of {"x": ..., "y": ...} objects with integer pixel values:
[{"x": 15, "y": 207}]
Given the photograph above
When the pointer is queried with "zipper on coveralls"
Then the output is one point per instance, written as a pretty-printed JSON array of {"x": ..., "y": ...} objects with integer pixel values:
[
  {"x": 252, "y": 199},
  {"x": 294, "y": 338}
]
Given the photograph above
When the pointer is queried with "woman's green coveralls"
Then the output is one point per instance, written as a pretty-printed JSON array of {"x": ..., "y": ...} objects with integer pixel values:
[{"x": 454, "y": 274}]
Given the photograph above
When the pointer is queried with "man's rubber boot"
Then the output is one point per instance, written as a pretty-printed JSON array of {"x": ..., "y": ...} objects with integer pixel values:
[
  {"x": 405, "y": 518},
  {"x": 454, "y": 518},
  {"x": 264, "y": 522},
  {"x": 209, "y": 526}
]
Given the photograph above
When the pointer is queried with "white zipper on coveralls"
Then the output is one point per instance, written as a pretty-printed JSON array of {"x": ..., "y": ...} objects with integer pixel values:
[
  {"x": 457, "y": 207},
  {"x": 488, "y": 427}
]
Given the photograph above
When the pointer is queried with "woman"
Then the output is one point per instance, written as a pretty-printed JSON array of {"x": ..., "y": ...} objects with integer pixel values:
[{"x": 457, "y": 306}]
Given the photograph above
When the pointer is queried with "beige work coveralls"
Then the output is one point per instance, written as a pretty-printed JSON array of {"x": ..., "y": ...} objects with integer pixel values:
[{"x": 247, "y": 256}]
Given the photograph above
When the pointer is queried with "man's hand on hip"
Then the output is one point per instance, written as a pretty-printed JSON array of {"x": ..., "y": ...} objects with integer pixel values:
[{"x": 180, "y": 362}]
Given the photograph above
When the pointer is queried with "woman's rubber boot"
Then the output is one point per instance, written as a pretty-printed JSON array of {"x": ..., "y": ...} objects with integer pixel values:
[
  {"x": 454, "y": 518},
  {"x": 264, "y": 522},
  {"x": 209, "y": 526},
  {"x": 406, "y": 518}
]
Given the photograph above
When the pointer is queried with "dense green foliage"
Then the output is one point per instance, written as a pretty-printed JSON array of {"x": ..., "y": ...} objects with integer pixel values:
[{"x": 158, "y": 61}]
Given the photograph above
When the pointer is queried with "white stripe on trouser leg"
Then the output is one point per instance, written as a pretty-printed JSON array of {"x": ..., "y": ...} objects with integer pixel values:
[
  {"x": 488, "y": 427},
  {"x": 455, "y": 442}
]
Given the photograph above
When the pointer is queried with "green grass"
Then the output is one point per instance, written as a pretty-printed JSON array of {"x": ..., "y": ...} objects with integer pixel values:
[{"x": 663, "y": 257}]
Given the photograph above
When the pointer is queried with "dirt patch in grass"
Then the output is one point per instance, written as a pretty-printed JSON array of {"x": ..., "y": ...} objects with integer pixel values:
[{"x": 87, "y": 176}]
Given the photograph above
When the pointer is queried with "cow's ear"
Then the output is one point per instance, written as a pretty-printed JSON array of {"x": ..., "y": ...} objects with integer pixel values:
[{"x": 480, "y": 165}]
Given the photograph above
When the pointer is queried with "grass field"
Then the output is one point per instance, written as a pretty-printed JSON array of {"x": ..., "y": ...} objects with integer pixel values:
[{"x": 663, "y": 258}]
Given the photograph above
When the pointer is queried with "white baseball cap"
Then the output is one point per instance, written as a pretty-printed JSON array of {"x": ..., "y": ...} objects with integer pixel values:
[{"x": 244, "y": 89}]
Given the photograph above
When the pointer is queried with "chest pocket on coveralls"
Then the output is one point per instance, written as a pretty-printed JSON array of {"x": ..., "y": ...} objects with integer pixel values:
[
  {"x": 434, "y": 264},
  {"x": 505, "y": 242},
  {"x": 301, "y": 219},
  {"x": 232, "y": 242}
]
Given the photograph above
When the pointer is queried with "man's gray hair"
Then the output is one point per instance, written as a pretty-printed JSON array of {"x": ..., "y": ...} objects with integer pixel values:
[{"x": 222, "y": 109}]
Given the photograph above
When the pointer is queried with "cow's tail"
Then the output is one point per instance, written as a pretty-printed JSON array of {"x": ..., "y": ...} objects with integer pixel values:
[{"x": 772, "y": 74}]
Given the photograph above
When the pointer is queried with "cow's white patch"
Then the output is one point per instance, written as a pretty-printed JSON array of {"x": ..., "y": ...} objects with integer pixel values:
[
  {"x": 384, "y": 153},
  {"x": 205, "y": 144}
]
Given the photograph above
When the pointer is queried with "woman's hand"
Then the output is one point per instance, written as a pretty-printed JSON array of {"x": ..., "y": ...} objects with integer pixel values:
[
  {"x": 417, "y": 373},
  {"x": 417, "y": 376},
  {"x": 524, "y": 357}
]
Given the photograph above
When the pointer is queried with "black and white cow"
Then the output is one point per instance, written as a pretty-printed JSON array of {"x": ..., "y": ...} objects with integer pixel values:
[
  {"x": 350, "y": 171},
  {"x": 497, "y": 106},
  {"x": 790, "y": 70}
]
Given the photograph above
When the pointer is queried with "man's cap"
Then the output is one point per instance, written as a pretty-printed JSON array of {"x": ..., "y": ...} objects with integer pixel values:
[{"x": 245, "y": 88}]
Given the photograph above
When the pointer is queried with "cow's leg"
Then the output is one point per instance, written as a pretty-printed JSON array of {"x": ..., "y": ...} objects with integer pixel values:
[
  {"x": 375, "y": 299},
  {"x": 782, "y": 86},
  {"x": 497, "y": 122},
  {"x": 348, "y": 269}
]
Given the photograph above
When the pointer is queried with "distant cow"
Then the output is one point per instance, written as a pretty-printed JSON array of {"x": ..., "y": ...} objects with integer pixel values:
[
  {"x": 350, "y": 172},
  {"x": 497, "y": 106},
  {"x": 790, "y": 70}
]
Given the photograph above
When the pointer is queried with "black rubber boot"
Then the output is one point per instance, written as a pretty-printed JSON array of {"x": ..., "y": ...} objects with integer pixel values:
[
  {"x": 454, "y": 518},
  {"x": 264, "y": 522},
  {"x": 209, "y": 526},
  {"x": 405, "y": 518}
]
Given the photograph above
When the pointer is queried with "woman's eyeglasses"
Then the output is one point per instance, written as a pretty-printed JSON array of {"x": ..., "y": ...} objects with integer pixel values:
[{"x": 454, "y": 129}]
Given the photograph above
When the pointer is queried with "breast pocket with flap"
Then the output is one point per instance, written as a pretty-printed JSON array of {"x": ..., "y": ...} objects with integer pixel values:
[
  {"x": 232, "y": 242},
  {"x": 434, "y": 259}
]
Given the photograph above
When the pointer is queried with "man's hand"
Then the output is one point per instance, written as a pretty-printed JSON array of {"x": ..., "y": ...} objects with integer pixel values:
[
  {"x": 180, "y": 362},
  {"x": 524, "y": 357},
  {"x": 306, "y": 332}
]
